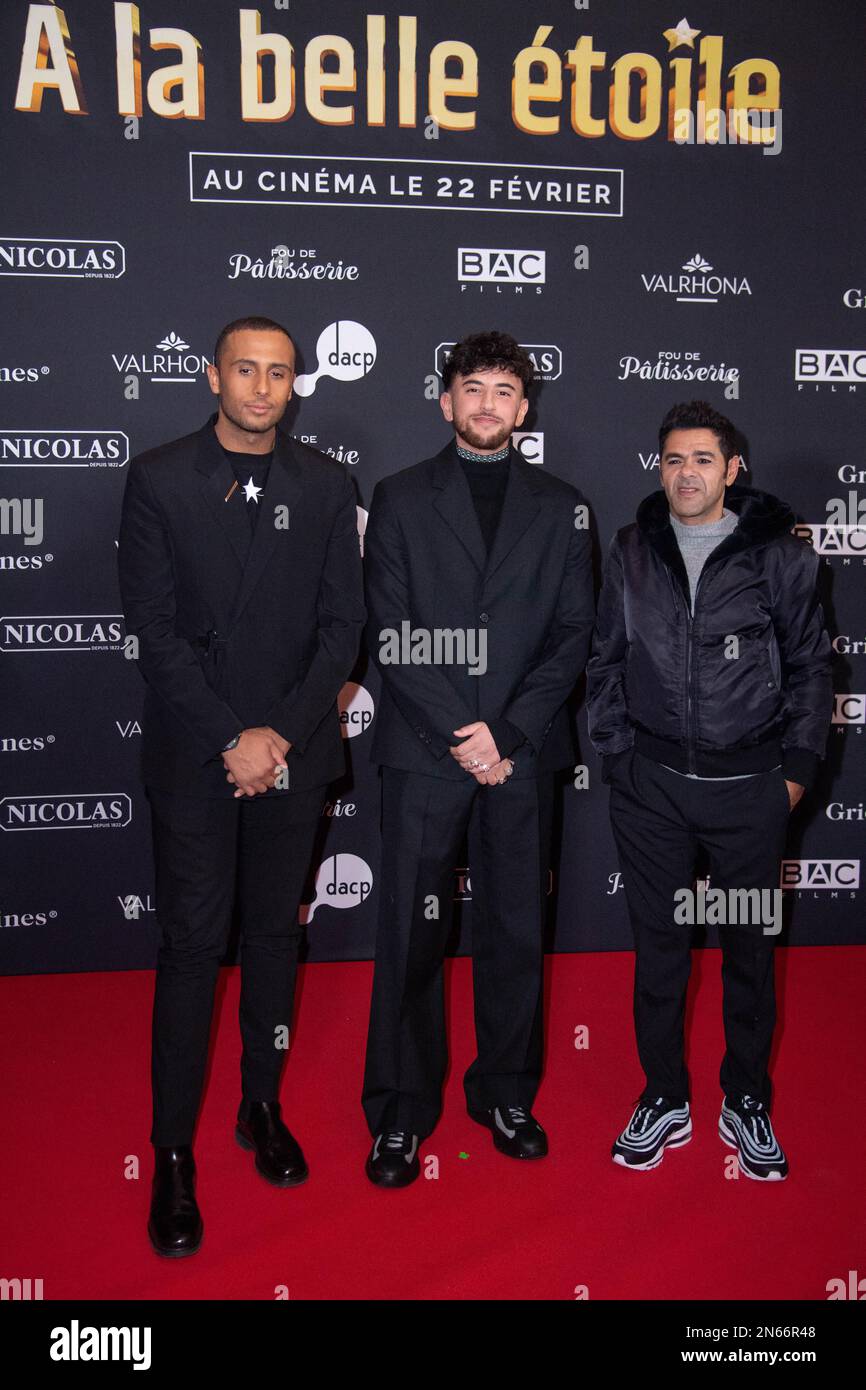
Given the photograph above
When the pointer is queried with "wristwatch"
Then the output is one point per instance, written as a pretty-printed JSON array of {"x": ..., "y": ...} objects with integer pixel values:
[{"x": 233, "y": 743}]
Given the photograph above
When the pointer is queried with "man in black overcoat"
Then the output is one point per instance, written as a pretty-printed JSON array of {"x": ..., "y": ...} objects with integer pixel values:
[
  {"x": 241, "y": 583},
  {"x": 480, "y": 602}
]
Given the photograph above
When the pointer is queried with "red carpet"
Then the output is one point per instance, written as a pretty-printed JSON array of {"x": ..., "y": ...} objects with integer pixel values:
[{"x": 76, "y": 1107}]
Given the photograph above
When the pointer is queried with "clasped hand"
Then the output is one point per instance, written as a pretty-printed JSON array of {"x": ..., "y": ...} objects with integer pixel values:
[
  {"x": 254, "y": 765},
  {"x": 478, "y": 755}
]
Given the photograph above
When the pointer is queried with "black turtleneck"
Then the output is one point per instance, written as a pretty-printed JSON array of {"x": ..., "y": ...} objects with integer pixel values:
[{"x": 488, "y": 479}]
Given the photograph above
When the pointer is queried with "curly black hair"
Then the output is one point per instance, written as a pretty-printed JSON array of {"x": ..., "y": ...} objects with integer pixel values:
[
  {"x": 485, "y": 352},
  {"x": 700, "y": 415}
]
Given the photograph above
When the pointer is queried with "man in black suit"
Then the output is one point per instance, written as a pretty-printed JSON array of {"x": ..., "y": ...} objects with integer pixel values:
[
  {"x": 240, "y": 576},
  {"x": 480, "y": 603}
]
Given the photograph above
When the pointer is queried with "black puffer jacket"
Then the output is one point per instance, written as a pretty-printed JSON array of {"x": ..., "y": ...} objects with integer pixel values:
[{"x": 675, "y": 686}]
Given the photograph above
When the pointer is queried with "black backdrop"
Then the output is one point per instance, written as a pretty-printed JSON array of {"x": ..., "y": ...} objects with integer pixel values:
[{"x": 658, "y": 258}]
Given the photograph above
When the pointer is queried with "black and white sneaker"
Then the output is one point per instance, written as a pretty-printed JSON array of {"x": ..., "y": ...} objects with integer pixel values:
[
  {"x": 655, "y": 1126},
  {"x": 745, "y": 1125},
  {"x": 516, "y": 1132},
  {"x": 393, "y": 1160}
]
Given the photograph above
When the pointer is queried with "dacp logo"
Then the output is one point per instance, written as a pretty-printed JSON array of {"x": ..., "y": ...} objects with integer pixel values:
[
  {"x": 355, "y": 704},
  {"x": 346, "y": 351},
  {"x": 343, "y": 880}
]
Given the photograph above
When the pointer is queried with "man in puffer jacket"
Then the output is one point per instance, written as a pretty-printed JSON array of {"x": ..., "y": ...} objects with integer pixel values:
[{"x": 709, "y": 698}]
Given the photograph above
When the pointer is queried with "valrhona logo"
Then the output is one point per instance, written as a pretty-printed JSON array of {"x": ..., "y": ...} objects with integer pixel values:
[
  {"x": 78, "y": 811},
  {"x": 697, "y": 283},
  {"x": 74, "y": 632},
  {"x": 172, "y": 362},
  {"x": 58, "y": 257}
]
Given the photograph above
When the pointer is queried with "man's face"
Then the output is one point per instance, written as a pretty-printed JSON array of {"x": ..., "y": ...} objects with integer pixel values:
[
  {"x": 254, "y": 378},
  {"x": 694, "y": 475},
  {"x": 484, "y": 408}
]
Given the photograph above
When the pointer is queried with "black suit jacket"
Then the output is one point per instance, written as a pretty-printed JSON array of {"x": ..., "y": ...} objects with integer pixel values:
[
  {"x": 425, "y": 562},
  {"x": 233, "y": 630}
]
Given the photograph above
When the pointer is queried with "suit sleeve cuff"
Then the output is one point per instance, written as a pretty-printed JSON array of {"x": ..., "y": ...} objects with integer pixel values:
[
  {"x": 799, "y": 765},
  {"x": 506, "y": 736}
]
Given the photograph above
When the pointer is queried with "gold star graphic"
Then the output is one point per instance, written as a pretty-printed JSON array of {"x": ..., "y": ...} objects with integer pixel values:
[{"x": 683, "y": 34}]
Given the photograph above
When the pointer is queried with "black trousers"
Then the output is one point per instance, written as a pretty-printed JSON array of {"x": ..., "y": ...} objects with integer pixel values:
[
  {"x": 209, "y": 852},
  {"x": 424, "y": 820},
  {"x": 659, "y": 819}
]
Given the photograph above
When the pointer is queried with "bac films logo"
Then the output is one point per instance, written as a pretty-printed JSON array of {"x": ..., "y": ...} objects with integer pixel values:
[
  {"x": 849, "y": 708},
  {"x": 824, "y": 875},
  {"x": 830, "y": 368},
  {"x": 491, "y": 268},
  {"x": 346, "y": 351}
]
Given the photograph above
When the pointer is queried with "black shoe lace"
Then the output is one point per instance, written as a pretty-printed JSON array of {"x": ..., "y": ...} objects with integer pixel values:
[
  {"x": 754, "y": 1112},
  {"x": 646, "y": 1114}
]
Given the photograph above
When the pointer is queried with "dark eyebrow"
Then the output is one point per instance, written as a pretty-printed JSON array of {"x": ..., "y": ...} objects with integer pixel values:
[
  {"x": 476, "y": 381},
  {"x": 253, "y": 362}
]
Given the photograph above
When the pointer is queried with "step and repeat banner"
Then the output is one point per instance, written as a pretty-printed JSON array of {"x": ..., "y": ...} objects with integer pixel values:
[{"x": 658, "y": 206}]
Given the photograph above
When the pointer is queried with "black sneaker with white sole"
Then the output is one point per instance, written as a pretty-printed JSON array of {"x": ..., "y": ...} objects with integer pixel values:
[
  {"x": 393, "y": 1159},
  {"x": 744, "y": 1125},
  {"x": 656, "y": 1125},
  {"x": 516, "y": 1132}
]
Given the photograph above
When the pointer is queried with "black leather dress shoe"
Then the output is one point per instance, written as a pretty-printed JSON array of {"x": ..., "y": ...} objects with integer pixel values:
[
  {"x": 516, "y": 1132},
  {"x": 278, "y": 1153},
  {"x": 175, "y": 1226},
  {"x": 393, "y": 1159}
]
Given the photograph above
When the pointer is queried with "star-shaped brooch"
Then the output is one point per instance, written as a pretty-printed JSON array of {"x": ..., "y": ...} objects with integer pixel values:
[{"x": 251, "y": 492}]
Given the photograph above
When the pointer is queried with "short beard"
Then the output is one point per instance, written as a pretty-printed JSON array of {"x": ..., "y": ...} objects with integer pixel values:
[
  {"x": 477, "y": 441},
  {"x": 242, "y": 424}
]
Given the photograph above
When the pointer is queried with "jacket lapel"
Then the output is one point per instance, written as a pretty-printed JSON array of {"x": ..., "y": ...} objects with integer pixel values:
[
  {"x": 215, "y": 481},
  {"x": 454, "y": 503}
]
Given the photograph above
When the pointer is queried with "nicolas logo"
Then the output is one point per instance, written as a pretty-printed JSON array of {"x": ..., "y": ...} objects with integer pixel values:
[
  {"x": 546, "y": 359},
  {"x": 63, "y": 448},
  {"x": 62, "y": 258},
  {"x": 76, "y": 632},
  {"x": 85, "y": 811}
]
